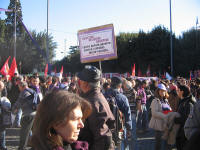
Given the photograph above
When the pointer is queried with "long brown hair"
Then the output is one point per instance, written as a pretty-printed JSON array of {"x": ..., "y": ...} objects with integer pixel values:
[
  {"x": 55, "y": 108},
  {"x": 158, "y": 95}
]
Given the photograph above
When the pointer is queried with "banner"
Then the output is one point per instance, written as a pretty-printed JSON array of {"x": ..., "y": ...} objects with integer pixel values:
[
  {"x": 97, "y": 44},
  {"x": 6, "y": 10}
]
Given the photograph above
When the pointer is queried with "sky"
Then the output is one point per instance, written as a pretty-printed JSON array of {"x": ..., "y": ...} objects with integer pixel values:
[{"x": 67, "y": 17}]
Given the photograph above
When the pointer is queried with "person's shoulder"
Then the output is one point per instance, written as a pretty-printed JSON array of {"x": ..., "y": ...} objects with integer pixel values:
[{"x": 155, "y": 100}]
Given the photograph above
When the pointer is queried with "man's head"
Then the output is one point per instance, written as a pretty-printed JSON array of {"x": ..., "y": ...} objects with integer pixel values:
[
  {"x": 116, "y": 82},
  {"x": 18, "y": 79},
  {"x": 35, "y": 80},
  {"x": 183, "y": 91},
  {"x": 22, "y": 85},
  {"x": 127, "y": 85},
  {"x": 144, "y": 83},
  {"x": 89, "y": 78}
]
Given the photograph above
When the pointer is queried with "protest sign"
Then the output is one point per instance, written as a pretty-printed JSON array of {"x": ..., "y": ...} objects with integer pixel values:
[{"x": 97, "y": 44}]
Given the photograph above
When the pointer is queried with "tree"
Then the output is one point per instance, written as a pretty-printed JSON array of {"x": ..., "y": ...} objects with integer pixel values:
[
  {"x": 30, "y": 56},
  {"x": 10, "y": 20},
  {"x": 143, "y": 49}
]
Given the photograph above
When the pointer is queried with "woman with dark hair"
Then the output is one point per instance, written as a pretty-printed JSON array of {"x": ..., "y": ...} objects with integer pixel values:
[
  {"x": 58, "y": 121},
  {"x": 159, "y": 108}
]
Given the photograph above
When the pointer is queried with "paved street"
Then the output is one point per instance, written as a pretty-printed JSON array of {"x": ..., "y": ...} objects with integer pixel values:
[
  {"x": 145, "y": 141},
  {"x": 12, "y": 138}
]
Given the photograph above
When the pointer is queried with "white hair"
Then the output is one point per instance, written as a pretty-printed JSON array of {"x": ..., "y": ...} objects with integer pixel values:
[{"x": 94, "y": 84}]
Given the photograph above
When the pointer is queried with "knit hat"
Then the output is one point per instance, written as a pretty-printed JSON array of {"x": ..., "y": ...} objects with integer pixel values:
[{"x": 90, "y": 74}]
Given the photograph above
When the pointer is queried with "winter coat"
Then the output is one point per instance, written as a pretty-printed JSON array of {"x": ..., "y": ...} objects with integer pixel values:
[
  {"x": 184, "y": 108},
  {"x": 97, "y": 126},
  {"x": 192, "y": 123},
  {"x": 157, "y": 119}
]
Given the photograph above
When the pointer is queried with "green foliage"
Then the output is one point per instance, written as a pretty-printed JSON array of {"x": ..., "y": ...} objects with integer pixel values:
[
  {"x": 11, "y": 19},
  {"x": 143, "y": 49},
  {"x": 26, "y": 52}
]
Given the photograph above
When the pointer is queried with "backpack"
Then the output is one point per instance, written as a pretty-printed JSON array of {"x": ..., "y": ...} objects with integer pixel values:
[
  {"x": 33, "y": 98},
  {"x": 117, "y": 132}
]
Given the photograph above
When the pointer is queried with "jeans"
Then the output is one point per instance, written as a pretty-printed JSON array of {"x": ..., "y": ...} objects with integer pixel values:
[
  {"x": 142, "y": 119},
  {"x": 18, "y": 118},
  {"x": 2, "y": 137},
  {"x": 125, "y": 142},
  {"x": 133, "y": 143},
  {"x": 26, "y": 125}
]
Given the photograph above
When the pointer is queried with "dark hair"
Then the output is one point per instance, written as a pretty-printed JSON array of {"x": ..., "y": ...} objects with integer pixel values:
[
  {"x": 144, "y": 82},
  {"x": 115, "y": 82},
  {"x": 185, "y": 89},
  {"x": 106, "y": 85},
  {"x": 54, "y": 80},
  {"x": 34, "y": 77},
  {"x": 36, "y": 74},
  {"x": 42, "y": 79},
  {"x": 53, "y": 109}
]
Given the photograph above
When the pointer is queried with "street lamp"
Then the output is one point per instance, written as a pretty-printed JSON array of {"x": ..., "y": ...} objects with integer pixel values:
[
  {"x": 15, "y": 36},
  {"x": 47, "y": 41},
  {"x": 171, "y": 50},
  {"x": 197, "y": 22}
]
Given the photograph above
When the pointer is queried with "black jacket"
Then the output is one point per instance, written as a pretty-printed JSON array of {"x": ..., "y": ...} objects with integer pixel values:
[{"x": 184, "y": 110}]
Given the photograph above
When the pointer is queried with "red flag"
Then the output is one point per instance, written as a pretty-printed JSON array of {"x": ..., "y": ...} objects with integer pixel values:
[
  {"x": 61, "y": 70},
  {"x": 133, "y": 70},
  {"x": 5, "y": 69},
  {"x": 46, "y": 70},
  {"x": 148, "y": 71},
  {"x": 13, "y": 68},
  {"x": 139, "y": 73}
]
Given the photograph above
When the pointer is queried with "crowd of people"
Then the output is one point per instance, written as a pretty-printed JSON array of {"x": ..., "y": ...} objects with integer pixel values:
[{"x": 64, "y": 113}]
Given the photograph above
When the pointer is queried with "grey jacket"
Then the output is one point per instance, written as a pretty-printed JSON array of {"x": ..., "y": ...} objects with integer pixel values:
[
  {"x": 157, "y": 119},
  {"x": 192, "y": 123},
  {"x": 24, "y": 104}
]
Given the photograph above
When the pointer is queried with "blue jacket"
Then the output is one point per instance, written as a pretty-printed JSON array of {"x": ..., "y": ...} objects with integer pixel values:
[{"x": 123, "y": 104}]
